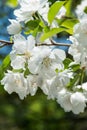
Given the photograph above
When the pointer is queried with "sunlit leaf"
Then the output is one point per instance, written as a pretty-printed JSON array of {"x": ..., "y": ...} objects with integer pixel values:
[
  {"x": 51, "y": 33},
  {"x": 70, "y": 31},
  {"x": 4, "y": 66},
  {"x": 54, "y": 10},
  {"x": 12, "y": 3},
  {"x": 69, "y": 23},
  {"x": 68, "y": 7}
]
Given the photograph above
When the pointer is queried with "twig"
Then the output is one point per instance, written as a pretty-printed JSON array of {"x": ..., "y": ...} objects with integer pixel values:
[
  {"x": 4, "y": 43},
  {"x": 55, "y": 44}
]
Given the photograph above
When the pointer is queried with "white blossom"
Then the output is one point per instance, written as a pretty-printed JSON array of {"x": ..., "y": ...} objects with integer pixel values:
[
  {"x": 75, "y": 50},
  {"x": 14, "y": 27},
  {"x": 80, "y": 10},
  {"x": 75, "y": 102},
  {"x": 80, "y": 32},
  {"x": 35, "y": 66},
  {"x": 58, "y": 82},
  {"x": 15, "y": 82},
  {"x": 78, "y": 102},
  {"x": 84, "y": 86},
  {"x": 44, "y": 12},
  {"x": 33, "y": 84},
  {"x": 79, "y": 47},
  {"x": 63, "y": 98},
  {"x": 22, "y": 51},
  {"x": 47, "y": 61},
  {"x": 27, "y": 9}
]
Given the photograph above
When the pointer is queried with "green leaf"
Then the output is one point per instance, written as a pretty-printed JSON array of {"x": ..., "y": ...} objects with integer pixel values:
[
  {"x": 46, "y": 29},
  {"x": 4, "y": 66},
  {"x": 68, "y": 6},
  {"x": 1, "y": 73},
  {"x": 12, "y": 3},
  {"x": 36, "y": 31},
  {"x": 75, "y": 67},
  {"x": 33, "y": 27},
  {"x": 54, "y": 10},
  {"x": 6, "y": 62},
  {"x": 85, "y": 10},
  {"x": 27, "y": 72},
  {"x": 69, "y": 23},
  {"x": 66, "y": 62},
  {"x": 32, "y": 24},
  {"x": 51, "y": 33},
  {"x": 70, "y": 31},
  {"x": 73, "y": 81}
]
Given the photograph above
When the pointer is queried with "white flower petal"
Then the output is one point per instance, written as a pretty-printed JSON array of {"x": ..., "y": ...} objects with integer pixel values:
[
  {"x": 15, "y": 82},
  {"x": 78, "y": 102},
  {"x": 14, "y": 27},
  {"x": 59, "y": 53}
]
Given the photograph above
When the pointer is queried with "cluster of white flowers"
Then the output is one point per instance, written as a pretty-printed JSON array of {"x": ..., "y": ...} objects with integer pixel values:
[
  {"x": 79, "y": 47},
  {"x": 26, "y": 13},
  {"x": 43, "y": 67}
]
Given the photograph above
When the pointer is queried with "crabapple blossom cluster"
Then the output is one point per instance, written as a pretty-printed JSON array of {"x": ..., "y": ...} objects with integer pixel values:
[{"x": 35, "y": 64}]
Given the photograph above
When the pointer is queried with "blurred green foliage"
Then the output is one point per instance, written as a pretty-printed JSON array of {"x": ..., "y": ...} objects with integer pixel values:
[
  {"x": 12, "y": 3},
  {"x": 36, "y": 113}
]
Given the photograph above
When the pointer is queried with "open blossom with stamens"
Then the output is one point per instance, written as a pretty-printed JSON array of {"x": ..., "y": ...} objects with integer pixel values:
[
  {"x": 15, "y": 82},
  {"x": 22, "y": 51},
  {"x": 46, "y": 61}
]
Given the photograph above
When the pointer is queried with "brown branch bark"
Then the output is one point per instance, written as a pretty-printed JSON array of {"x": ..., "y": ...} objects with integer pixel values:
[{"x": 5, "y": 43}]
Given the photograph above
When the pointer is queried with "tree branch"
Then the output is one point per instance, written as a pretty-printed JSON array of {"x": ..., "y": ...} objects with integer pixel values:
[
  {"x": 5, "y": 43},
  {"x": 55, "y": 44}
]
